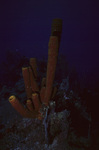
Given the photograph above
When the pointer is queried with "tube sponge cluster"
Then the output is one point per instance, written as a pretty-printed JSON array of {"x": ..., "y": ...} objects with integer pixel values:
[{"x": 36, "y": 96}]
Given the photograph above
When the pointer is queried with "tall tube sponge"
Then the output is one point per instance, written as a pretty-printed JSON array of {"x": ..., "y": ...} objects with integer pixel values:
[
  {"x": 51, "y": 67},
  {"x": 53, "y": 48},
  {"x": 56, "y": 29}
]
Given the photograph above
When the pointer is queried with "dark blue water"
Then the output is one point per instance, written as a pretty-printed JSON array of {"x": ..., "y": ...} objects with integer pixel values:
[{"x": 26, "y": 27}]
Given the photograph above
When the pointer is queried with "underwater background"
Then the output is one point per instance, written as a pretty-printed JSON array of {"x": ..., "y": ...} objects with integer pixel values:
[{"x": 25, "y": 29}]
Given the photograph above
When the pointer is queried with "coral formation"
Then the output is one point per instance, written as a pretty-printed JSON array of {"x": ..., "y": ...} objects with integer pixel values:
[{"x": 36, "y": 97}]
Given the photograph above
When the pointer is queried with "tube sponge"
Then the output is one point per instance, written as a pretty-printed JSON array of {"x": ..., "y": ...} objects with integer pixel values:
[
  {"x": 33, "y": 64},
  {"x": 56, "y": 29},
  {"x": 21, "y": 109},
  {"x": 51, "y": 67},
  {"x": 26, "y": 77}
]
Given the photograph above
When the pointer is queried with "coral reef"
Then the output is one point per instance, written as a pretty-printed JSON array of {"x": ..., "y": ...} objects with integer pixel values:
[
  {"x": 17, "y": 132},
  {"x": 67, "y": 121}
]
